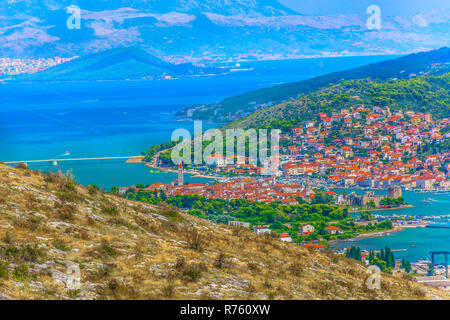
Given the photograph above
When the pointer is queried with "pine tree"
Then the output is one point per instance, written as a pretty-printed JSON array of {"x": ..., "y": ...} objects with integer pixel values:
[
  {"x": 371, "y": 255},
  {"x": 430, "y": 269}
]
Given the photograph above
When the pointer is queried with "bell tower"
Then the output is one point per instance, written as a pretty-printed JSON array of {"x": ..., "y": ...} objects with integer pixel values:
[{"x": 180, "y": 174}]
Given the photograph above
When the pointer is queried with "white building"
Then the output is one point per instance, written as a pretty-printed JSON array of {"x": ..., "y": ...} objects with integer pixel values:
[
  {"x": 239, "y": 224},
  {"x": 261, "y": 230}
]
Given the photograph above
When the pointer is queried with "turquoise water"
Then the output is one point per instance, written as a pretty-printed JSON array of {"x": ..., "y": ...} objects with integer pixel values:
[
  {"x": 424, "y": 240},
  {"x": 122, "y": 118},
  {"x": 439, "y": 207}
]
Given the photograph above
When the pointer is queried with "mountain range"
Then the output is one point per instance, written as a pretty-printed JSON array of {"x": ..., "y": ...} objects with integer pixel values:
[
  {"x": 119, "y": 64},
  {"x": 194, "y": 30}
]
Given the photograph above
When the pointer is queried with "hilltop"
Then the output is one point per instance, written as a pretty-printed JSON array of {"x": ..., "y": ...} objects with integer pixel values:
[
  {"x": 433, "y": 62},
  {"x": 118, "y": 64},
  {"x": 132, "y": 250}
]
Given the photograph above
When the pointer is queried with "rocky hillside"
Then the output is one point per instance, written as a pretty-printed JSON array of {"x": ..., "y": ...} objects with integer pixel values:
[{"x": 50, "y": 227}]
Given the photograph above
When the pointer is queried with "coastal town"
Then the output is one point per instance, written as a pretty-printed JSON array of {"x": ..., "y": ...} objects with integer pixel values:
[
  {"x": 12, "y": 67},
  {"x": 374, "y": 150},
  {"x": 361, "y": 147}
]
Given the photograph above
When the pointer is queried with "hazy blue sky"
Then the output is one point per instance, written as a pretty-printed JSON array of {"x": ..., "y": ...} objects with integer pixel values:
[{"x": 388, "y": 7}]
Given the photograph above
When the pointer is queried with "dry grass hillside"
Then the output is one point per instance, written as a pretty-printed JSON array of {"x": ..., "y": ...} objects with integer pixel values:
[{"x": 130, "y": 250}]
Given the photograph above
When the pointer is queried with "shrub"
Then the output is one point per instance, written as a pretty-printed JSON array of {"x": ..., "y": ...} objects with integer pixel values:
[
  {"x": 22, "y": 165},
  {"x": 189, "y": 271},
  {"x": 169, "y": 212},
  {"x": 4, "y": 269},
  {"x": 195, "y": 239},
  {"x": 31, "y": 253},
  {"x": 60, "y": 245},
  {"x": 110, "y": 251},
  {"x": 220, "y": 261},
  {"x": 252, "y": 266},
  {"x": 192, "y": 274},
  {"x": 93, "y": 189},
  {"x": 65, "y": 211},
  {"x": 296, "y": 269},
  {"x": 21, "y": 272},
  {"x": 73, "y": 294},
  {"x": 110, "y": 209},
  {"x": 8, "y": 238},
  {"x": 168, "y": 290}
]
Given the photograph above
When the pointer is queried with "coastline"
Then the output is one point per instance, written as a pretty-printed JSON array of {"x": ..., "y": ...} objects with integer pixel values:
[
  {"x": 372, "y": 234},
  {"x": 153, "y": 166},
  {"x": 407, "y": 206}
]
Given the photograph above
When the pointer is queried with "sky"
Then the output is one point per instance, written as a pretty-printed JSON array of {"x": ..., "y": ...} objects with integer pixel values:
[{"x": 388, "y": 7}]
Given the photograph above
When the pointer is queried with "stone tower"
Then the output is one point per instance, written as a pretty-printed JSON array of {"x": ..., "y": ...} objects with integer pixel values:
[
  {"x": 394, "y": 192},
  {"x": 180, "y": 174},
  {"x": 308, "y": 189}
]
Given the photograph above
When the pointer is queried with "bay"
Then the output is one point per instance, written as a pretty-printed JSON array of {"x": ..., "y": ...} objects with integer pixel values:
[
  {"x": 416, "y": 242},
  {"x": 123, "y": 118}
]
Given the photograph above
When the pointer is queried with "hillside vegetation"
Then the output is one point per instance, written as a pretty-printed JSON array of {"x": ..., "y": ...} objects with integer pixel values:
[
  {"x": 118, "y": 64},
  {"x": 401, "y": 68},
  {"x": 428, "y": 94},
  {"x": 132, "y": 250}
]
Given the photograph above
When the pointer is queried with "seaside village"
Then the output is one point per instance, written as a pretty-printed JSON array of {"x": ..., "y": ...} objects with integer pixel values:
[
  {"x": 375, "y": 149},
  {"x": 361, "y": 148},
  {"x": 10, "y": 66}
]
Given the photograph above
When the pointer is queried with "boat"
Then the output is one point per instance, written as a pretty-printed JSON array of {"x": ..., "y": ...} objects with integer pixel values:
[
  {"x": 413, "y": 245},
  {"x": 425, "y": 201}
]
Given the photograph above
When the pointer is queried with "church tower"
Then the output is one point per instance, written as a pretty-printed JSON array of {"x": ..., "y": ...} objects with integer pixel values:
[
  {"x": 308, "y": 189},
  {"x": 180, "y": 174}
]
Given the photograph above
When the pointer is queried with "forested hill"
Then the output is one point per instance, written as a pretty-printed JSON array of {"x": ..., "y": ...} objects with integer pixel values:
[
  {"x": 428, "y": 94},
  {"x": 118, "y": 64},
  {"x": 432, "y": 62}
]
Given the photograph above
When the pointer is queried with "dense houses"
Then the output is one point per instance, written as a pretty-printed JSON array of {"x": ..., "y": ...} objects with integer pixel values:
[
  {"x": 266, "y": 190},
  {"x": 12, "y": 67},
  {"x": 371, "y": 148},
  {"x": 361, "y": 147}
]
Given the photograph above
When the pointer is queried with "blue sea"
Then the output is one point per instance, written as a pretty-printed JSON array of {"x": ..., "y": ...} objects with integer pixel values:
[
  {"x": 123, "y": 118},
  {"x": 415, "y": 243}
]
